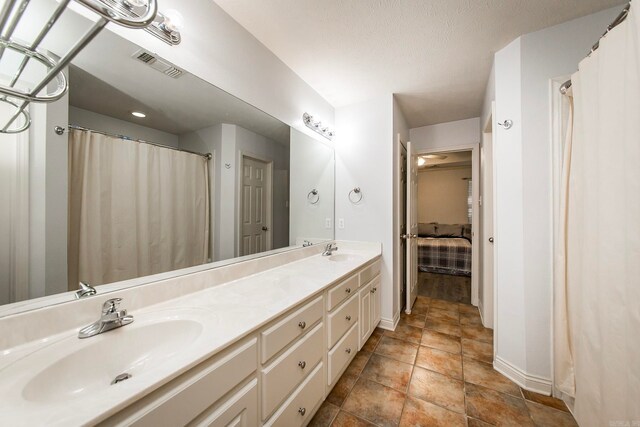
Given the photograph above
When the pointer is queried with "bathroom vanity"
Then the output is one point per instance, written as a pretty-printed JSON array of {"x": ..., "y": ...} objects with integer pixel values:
[{"x": 260, "y": 342}]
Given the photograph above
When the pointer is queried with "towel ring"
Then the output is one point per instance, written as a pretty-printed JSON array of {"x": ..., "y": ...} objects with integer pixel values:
[
  {"x": 313, "y": 197},
  {"x": 355, "y": 195}
]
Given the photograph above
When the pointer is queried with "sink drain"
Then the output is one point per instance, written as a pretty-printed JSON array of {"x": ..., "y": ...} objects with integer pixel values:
[{"x": 120, "y": 378}]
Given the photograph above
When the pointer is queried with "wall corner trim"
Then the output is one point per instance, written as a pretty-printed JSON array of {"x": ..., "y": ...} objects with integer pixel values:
[
  {"x": 524, "y": 380},
  {"x": 390, "y": 324}
]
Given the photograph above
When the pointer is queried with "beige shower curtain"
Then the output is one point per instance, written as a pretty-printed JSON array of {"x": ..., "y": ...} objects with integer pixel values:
[
  {"x": 603, "y": 233},
  {"x": 135, "y": 209}
]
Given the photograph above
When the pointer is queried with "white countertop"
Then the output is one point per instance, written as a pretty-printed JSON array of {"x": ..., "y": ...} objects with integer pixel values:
[{"x": 230, "y": 312}]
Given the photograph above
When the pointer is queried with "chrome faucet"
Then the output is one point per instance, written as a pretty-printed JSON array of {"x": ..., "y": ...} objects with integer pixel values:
[
  {"x": 329, "y": 249},
  {"x": 85, "y": 290},
  {"x": 306, "y": 243},
  {"x": 111, "y": 318}
]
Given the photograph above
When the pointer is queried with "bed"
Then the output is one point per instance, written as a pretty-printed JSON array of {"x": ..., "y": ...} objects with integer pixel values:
[{"x": 445, "y": 255}]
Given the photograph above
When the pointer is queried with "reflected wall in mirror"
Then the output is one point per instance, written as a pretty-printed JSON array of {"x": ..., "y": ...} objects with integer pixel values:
[{"x": 156, "y": 171}]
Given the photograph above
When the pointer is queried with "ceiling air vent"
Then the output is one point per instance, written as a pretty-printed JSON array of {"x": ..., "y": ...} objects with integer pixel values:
[{"x": 158, "y": 64}]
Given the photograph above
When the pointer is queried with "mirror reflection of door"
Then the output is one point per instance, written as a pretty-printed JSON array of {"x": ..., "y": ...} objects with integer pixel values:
[{"x": 256, "y": 218}]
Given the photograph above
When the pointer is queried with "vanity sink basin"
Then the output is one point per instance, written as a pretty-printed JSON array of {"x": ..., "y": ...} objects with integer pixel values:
[
  {"x": 343, "y": 257},
  {"x": 109, "y": 359}
]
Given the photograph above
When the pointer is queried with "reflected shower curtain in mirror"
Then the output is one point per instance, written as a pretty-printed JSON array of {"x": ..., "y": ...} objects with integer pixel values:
[
  {"x": 14, "y": 215},
  {"x": 135, "y": 209},
  {"x": 603, "y": 231}
]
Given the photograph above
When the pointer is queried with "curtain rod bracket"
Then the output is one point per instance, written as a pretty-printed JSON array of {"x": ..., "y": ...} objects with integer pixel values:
[{"x": 59, "y": 130}]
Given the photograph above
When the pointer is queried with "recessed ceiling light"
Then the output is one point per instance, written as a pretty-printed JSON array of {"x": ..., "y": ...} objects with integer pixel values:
[
  {"x": 138, "y": 114},
  {"x": 421, "y": 161}
]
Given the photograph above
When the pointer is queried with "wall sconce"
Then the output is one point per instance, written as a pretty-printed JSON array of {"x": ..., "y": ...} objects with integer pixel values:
[
  {"x": 316, "y": 125},
  {"x": 167, "y": 26}
]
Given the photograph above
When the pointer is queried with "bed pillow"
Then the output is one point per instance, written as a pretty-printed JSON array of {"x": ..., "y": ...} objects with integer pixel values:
[
  {"x": 427, "y": 229},
  {"x": 449, "y": 230},
  {"x": 466, "y": 231}
]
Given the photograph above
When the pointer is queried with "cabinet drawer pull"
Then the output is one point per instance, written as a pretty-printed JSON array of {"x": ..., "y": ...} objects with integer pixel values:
[
  {"x": 348, "y": 290},
  {"x": 302, "y": 324},
  {"x": 302, "y": 411},
  {"x": 348, "y": 318},
  {"x": 302, "y": 364},
  {"x": 348, "y": 351},
  {"x": 373, "y": 290}
]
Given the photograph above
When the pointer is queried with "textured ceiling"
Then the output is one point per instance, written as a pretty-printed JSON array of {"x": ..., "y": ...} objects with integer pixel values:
[{"x": 434, "y": 54}]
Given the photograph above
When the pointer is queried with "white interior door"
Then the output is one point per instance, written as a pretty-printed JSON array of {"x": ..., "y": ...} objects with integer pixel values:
[
  {"x": 412, "y": 227},
  {"x": 486, "y": 296},
  {"x": 254, "y": 218}
]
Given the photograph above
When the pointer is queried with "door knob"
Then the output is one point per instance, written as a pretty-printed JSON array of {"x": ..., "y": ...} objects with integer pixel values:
[
  {"x": 490, "y": 239},
  {"x": 264, "y": 228}
]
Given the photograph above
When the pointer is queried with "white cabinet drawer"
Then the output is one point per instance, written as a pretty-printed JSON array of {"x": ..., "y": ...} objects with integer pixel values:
[
  {"x": 240, "y": 410},
  {"x": 291, "y": 327},
  {"x": 342, "y": 354},
  {"x": 369, "y": 273},
  {"x": 342, "y": 291},
  {"x": 342, "y": 319},
  {"x": 183, "y": 399},
  {"x": 298, "y": 409},
  {"x": 286, "y": 372}
]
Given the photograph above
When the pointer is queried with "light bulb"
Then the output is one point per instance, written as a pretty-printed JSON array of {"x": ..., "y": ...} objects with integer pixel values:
[
  {"x": 421, "y": 161},
  {"x": 173, "y": 21}
]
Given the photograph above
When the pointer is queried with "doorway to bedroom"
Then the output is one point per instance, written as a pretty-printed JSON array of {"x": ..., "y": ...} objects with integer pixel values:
[{"x": 445, "y": 217}]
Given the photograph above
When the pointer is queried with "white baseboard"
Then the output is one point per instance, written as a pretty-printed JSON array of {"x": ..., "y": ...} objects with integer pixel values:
[
  {"x": 389, "y": 324},
  {"x": 524, "y": 380}
]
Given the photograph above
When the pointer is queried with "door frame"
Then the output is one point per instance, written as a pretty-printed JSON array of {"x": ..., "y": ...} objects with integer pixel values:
[
  {"x": 475, "y": 216},
  {"x": 400, "y": 271},
  {"x": 488, "y": 311},
  {"x": 268, "y": 201}
]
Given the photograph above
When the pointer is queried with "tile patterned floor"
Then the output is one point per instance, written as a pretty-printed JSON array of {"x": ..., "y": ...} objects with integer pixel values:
[{"x": 434, "y": 370}]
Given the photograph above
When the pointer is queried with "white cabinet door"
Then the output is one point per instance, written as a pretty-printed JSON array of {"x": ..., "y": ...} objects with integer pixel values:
[
  {"x": 375, "y": 302},
  {"x": 365, "y": 313}
]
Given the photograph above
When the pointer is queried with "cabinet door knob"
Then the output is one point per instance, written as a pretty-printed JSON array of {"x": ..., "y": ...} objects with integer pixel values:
[
  {"x": 348, "y": 318},
  {"x": 302, "y": 411},
  {"x": 302, "y": 324},
  {"x": 375, "y": 289},
  {"x": 302, "y": 364},
  {"x": 348, "y": 351},
  {"x": 348, "y": 290}
]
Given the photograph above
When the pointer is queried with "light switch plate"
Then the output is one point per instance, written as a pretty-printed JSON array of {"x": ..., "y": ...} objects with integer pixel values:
[
  {"x": 340, "y": 223},
  {"x": 327, "y": 223}
]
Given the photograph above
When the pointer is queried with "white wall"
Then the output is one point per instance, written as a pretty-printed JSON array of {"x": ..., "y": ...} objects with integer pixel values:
[
  {"x": 523, "y": 231},
  {"x": 96, "y": 121},
  {"x": 364, "y": 151},
  {"x": 48, "y": 195},
  {"x": 443, "y": 195},
  {"x": 312, "y": 167},
  {"x": 445, "y": 136}
]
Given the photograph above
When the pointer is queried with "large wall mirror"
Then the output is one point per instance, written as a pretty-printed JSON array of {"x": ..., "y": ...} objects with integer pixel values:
[{"x": 143, "y": 168}]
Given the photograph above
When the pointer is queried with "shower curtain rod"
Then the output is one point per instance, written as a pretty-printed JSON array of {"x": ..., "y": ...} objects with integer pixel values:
[
  {"x": 207, "y": 156},
  {"x": 619, "y": 19}
]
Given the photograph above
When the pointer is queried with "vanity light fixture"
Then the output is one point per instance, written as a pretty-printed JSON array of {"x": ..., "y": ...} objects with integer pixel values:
[
  {"x": 138, "y": 114},
  {"x": 316, "y": 125},
  {"x": 167, "y": 26}
]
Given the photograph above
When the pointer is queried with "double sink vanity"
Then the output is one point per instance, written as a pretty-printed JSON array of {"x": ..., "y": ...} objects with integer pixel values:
[{"x": 259, "y": 342}]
